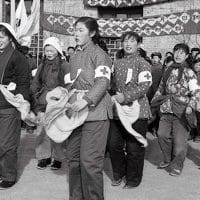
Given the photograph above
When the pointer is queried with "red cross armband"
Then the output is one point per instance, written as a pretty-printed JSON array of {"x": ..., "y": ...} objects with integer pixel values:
[
  {"x": 103, "y": 71},
  {"x": 145, "y": 76}
]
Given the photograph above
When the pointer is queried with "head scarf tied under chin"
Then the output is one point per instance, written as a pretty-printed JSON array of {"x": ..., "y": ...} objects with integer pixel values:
[{"x": 53, "y": 41}]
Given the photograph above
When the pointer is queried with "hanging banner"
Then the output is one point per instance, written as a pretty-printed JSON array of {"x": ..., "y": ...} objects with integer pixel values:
[
  {"x": 120, "y": 3},
  {"x": 177, "y": 23}
]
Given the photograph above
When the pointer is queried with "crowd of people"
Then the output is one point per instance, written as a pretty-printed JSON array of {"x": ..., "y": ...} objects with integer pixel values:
[{"x": 123, "y": 100}]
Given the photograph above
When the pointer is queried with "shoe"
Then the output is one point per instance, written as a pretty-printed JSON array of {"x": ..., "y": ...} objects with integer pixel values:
[
  {"x": 129, "y": 186},
  {"x": 6, "y": 184},
  {"x": 190, "y": 137},
  {"x": 197, "y": 139},
  {"x": 42, "y": 164},
  {"x": 163, "y": 165},
  {"x": 175, "y": 172},
  {"x": 56, "y": 165},
  {"x": 117, "y": 182},
  {"x": 30, "y": 131}
]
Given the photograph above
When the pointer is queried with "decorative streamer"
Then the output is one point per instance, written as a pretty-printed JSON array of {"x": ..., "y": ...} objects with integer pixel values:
[{"x": 176, "y": 23}]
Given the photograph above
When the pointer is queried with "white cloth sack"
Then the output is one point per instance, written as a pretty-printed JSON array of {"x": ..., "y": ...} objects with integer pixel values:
[
  {"x": 128, "y": 115},
  {"x": 57, "y": 124},
  {"x": 18, "y": 101}
]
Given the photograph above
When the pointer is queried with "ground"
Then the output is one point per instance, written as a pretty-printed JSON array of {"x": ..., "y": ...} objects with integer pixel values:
[{"x": 34, "y": 184}]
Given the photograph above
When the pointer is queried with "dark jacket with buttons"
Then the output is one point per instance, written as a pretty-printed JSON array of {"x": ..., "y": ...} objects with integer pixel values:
[{"x": 17, "y": 71}]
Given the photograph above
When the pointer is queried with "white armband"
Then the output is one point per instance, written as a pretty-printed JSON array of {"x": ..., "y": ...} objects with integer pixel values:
[
  {"x": 144, "y": 77},
  {"x": 193, "y": 85},
  {"x": 103, "y": 71}
]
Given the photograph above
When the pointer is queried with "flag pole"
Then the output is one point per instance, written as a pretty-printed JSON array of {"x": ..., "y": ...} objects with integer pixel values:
[
  {"x": 12, "y": 13},
  {"x": 38, "y": 47},
  {"x": 38, "y": 42}
]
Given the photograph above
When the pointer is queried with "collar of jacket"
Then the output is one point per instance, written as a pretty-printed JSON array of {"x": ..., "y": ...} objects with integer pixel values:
[
  {"x": 85, "y": 46},
  {"x": 130, "y": 56}
]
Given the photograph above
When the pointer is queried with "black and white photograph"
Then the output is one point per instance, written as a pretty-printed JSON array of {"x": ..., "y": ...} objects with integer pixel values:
[{"x": 99, "y": 99}]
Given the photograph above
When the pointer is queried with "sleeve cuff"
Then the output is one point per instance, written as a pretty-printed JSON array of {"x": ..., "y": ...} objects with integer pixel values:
[{"x": 89, "y": 101}]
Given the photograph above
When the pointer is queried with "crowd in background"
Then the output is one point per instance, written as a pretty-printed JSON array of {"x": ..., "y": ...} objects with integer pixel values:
[{"x": 133, "y": 94}]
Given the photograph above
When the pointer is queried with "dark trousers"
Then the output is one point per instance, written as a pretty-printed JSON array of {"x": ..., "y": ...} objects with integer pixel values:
[
  {"x": 10, "y": 124},
  {"x": 173, "y": 137},
  {"x": 86, "y": 149},
  {"x": 197, "y": 132},
  {"x": 126, "y": 153}
]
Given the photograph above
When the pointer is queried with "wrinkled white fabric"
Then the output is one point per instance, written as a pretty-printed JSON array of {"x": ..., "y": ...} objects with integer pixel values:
[
  {"x": 17, "y": 101},
  {"x": 128, "y": 115},
  {"x": 57, "y": 124}
]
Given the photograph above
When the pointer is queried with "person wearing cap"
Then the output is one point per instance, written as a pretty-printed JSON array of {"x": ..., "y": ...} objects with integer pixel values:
[
  {"x": 157, "y": 72},
  {"x": 177, "y": 98},
  {"x": 130, "y": 83},
  {"x": 13, "y": 69},
  {"x": 194, "y": 52},
  {"x": 49, "y": 75}
]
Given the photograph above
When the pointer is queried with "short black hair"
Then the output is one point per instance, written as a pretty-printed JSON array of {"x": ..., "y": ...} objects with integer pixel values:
[
  {"x": 196, "y": 61},
  {"x": 182, "y": 46},
  {"x": 131, "y": 34},
  {"x": 195, "y": 49}
]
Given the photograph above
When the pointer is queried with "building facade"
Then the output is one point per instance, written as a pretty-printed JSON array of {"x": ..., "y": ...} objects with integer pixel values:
[
  {"x": 162, "y": 43},
  {"x": 174, "y": 14}
]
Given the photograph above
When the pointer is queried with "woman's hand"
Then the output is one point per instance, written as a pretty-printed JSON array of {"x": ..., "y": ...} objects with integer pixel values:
[
  {"x": 79, "y": 105},
  {"x": 119, "y": 97}
]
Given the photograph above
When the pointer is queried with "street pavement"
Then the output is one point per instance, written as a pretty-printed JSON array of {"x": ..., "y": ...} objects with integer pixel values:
[{"x": 35, "y": 184}]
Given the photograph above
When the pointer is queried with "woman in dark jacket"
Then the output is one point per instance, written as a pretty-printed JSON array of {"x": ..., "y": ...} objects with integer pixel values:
[
  {"x": 13, "y": 69},
  {"x": 50, "y": 74}
]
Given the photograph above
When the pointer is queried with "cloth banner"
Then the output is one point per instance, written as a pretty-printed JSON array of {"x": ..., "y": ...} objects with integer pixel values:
[
  {"x": 21, "y": 18},
  {"x": 32, "y": 25},
  {"x": 177, "y": 23},
  {"x": 120, "y": 3}
]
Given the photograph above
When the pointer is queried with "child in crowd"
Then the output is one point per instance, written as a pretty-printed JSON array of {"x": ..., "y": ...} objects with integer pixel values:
[{"x": 50, "y": 74}]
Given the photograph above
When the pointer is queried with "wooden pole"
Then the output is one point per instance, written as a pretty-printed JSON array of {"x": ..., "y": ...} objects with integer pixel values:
[
  {"x": 12, "y": 13},
  {"x": 38, "y": 48}
]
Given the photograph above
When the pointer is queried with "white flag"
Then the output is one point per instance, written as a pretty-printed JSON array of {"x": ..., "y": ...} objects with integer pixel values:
[
  {"x": 32, "y": 25},
  {"x": 21, "y": 18}
]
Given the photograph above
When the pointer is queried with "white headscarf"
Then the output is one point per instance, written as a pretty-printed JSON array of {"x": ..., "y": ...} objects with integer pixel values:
[
  {"x": 55, "y": 42},
  {"x": 10, "y": 29}
]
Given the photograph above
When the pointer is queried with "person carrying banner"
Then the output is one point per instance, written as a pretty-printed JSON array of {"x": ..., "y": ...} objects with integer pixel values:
[
  {"x": 13, "y": 69},
  {"x": 130, "y": 83},
  {"x": 90, "y": 70},
  {"x": 177, "y": 98}
]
